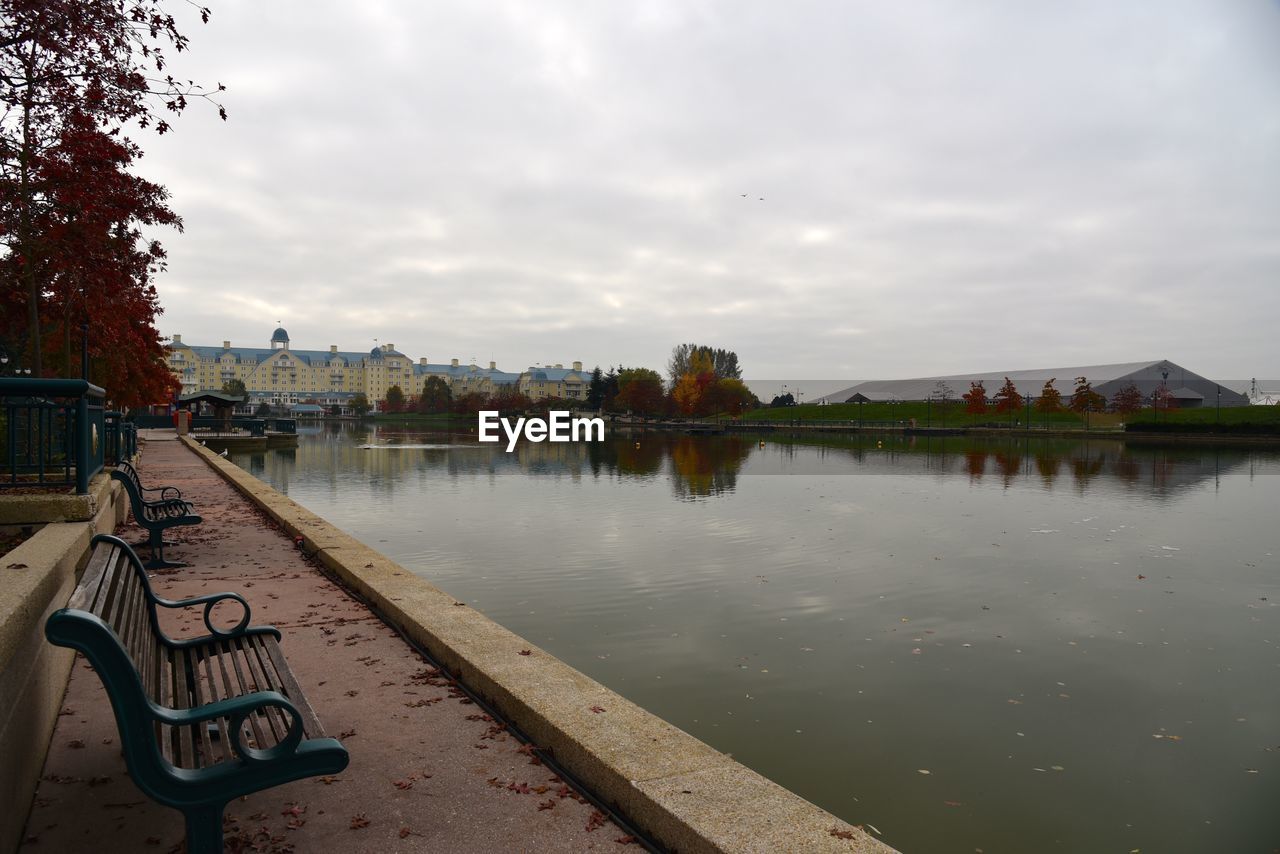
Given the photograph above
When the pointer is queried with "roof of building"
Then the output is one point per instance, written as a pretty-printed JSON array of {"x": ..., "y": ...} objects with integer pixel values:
[
  {"x": 257, "y": 355},
  {"x": 556, "y": 375},
  {"x": 217, "y": 398},
  {"x": 279, "y": 334},
  {"x": 1147, "y": 376},
  {"x": 465, "y": 372},
  {"x": 306, "y": 407}
]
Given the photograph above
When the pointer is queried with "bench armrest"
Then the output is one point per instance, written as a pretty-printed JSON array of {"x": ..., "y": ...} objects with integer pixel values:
[
  {"x": 208, "y": 602},
  {"x": 237, "y": 709}
]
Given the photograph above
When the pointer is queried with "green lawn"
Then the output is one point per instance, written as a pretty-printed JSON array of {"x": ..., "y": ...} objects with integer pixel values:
[{"x": 1232, "y": 419}]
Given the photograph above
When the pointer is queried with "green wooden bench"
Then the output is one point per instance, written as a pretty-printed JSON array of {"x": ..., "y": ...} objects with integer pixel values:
[
  {"x": 203, "y": 720},
  {"x": 155, "y": 515}
]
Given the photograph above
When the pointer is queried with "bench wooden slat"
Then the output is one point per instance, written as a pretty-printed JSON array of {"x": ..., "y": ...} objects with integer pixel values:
[
  {"x": 310, "y": 721},
  {"x": 127, "y": 611},
  {"x": 263, "y": 664},
  {"x": 146, "y": 667},
  {"x": 185, "y": 753},
  {"x": 164, "y": 697},
  {"x": 87, "y": 593},
  {"x": 114, "y": 595},
  {"x": 223, "y": 733},
  {"x": 198, "y": 692},
  {"x": 245, "y": 688},
  {"x": 276, "y": 717},
  {"x": 229, "y": 684}
]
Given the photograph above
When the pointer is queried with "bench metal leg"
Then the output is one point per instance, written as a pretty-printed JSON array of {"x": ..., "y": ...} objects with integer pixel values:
[
  {"x": 157, "y": 543},
  {"x": 137, "y": 544},
  {"x": 204, "y": 829}
]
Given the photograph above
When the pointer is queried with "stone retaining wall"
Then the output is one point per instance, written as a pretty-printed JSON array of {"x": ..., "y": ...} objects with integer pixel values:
[{"x": 37, "y": 578}]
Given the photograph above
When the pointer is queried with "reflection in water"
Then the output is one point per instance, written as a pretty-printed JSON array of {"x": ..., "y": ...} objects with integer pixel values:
[
  {"x": 708, "y": 466},
  {"x": 1020, "y": 617},
  {"x": 700, "y": 468}
]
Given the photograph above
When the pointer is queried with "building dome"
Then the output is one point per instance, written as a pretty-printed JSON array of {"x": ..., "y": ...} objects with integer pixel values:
[
  {"x": 376, "y": 353},
  {"x": 279, "y": 335}
]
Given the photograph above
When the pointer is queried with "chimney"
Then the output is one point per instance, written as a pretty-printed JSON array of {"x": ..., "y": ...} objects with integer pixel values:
[
  {"x": 177, "y": 339},
  {"x": 423, "y": 361},
  {"x": 333, "y": 348},
  {"x": 226, "y": 345},
  {"x": 453, "y": 362},
  {"x": 577, "y": 366},
  {"x": 558, "y": 365},
  {"x": 493, "y": 366}
]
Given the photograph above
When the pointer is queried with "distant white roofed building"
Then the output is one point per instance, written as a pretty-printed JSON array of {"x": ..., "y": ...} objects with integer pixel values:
[{"x": 1188, "y": 389}]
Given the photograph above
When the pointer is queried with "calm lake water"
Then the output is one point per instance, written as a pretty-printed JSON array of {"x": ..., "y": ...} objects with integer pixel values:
[{"x": 1012, "y": 646}]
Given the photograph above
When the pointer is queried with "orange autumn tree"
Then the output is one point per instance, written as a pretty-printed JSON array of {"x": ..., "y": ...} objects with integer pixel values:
[
  {"x": 707, "y": 380},
  {"x": 692, "y": 386},
  {"x": 1085, "y": 399},
  {"x": 1050, "y": 399},
  {"x": 1007, "y": 398},
  {"x": 975, "y": 398}
]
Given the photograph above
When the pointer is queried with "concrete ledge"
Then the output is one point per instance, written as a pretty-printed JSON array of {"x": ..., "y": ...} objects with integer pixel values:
[
  {"x": 686, "y": 795},
  {"x": 36, "y": 578},
  {"x": 37, "y": 509}
]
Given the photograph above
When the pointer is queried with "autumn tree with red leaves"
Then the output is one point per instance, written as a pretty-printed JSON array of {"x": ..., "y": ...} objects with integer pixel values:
[
  {"x": 1050, "y": 399},
  {"x": 1085, "y": 399},
  {"x": 640, "y": 391},
  {"x": 1127, "y": 400},
  {"x": 73, "y": 75},
  {"x": 975, "y": 399},
  {"x": 1007, "y": 398},
  {"x": 729, "y": 397}
]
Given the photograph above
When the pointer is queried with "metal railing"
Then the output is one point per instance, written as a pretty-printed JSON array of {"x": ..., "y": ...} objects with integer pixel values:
[
  {"x": 213, "y": 424},
  {"x": 121, "y": 439},
  {"x": 54, "y": 432}
]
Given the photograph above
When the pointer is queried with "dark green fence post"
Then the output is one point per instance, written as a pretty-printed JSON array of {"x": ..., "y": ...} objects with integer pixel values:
[{"x": 83, "y": 442}]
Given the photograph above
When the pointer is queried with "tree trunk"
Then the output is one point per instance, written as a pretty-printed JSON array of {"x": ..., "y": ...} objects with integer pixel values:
[{"x": 25, "y": 240}]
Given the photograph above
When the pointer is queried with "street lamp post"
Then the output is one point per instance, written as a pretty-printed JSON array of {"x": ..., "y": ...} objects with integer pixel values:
[
  {"x": 1217, "y": 415},
  {"x": 84, "y": 350}
]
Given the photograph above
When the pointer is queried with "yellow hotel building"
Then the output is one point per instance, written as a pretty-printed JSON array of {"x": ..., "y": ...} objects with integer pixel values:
[{"x": 282, "y": 376}]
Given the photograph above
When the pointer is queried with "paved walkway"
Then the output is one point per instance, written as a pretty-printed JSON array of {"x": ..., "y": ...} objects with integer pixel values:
[{"x": 428, "y": 772}]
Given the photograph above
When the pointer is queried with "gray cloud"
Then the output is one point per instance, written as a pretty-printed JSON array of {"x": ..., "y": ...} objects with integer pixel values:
[{"x": 946, "y": 187}]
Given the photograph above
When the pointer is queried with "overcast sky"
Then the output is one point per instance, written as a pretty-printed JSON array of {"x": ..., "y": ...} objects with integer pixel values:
[{"x": 930, "y": 187}]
